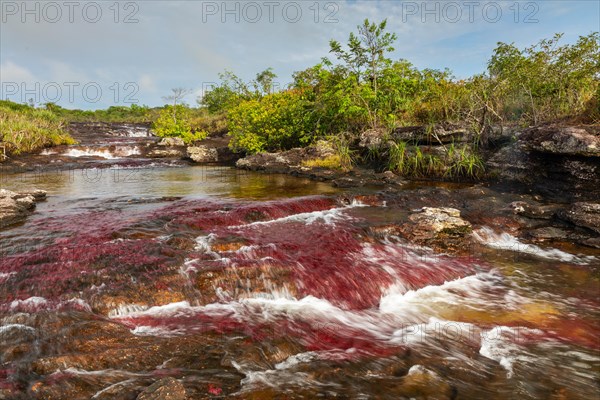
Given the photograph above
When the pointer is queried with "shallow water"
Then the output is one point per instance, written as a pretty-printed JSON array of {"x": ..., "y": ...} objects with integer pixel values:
[{"x": 258, "y": 286}]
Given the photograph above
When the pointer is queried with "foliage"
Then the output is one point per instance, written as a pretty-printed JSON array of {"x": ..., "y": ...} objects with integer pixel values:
[
  {"x": 415, "y": 162},
  {"x": 544, "y": 81},
  {"x": 174, "y": 121},
  {"x": 25, "y": 129},
  {"x": 233, "y": 90},
  {"x": 276, "y": 121},
  {"x": 120, "y": 114}
]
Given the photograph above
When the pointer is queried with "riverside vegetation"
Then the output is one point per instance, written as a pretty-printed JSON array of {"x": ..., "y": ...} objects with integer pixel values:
[{"x": 362, "y": 90}]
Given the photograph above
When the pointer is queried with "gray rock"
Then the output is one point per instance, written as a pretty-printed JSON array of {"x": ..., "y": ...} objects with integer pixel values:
[
  {"x": 444, "y": 133},
  {"x": 511, "y": 163},
  {"x": 166, "y": 153},
  {"x": 164, "y": 389},
  {"x": 15, "y": 207},
  {"x": 534, "y": 210},
  {"x": 549, "y": 233},
  {"x": 373, "y": 138},
  {"x": 564, "y": 140},
  {"x": 203, "y": 154},
  {"x": 171, "y": 141},
  {"x": 586, "y": 215}
]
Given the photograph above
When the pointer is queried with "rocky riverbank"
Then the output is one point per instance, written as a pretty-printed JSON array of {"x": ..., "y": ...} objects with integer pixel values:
[{"x": 15, "y": 207}]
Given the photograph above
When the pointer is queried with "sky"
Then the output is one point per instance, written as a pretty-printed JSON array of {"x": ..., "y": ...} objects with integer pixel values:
[{"x": 95, "y": 54}]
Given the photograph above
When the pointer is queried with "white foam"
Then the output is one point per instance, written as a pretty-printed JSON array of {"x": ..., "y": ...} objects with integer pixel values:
[
  {"x": 119, "y": 152},
  {"x": 126, "y": 309},
  {"x": 328, "y": 217},
  {"x": 31, "y": 302},
  {"x": 505, "y": 241},
  {"x": 19, "y": 327},
  {"x": 499, "y": 344},
  {"x": 6, "y": 275}
]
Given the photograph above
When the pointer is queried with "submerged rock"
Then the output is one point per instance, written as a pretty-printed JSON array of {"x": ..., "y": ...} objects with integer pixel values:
[
  {"x": 164, "y": 389},
  {"x": 15, "y": 207}
]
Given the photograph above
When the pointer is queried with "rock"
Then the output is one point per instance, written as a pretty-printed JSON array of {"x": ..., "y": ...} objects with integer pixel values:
[
  {"x": 203, "y": 154},
  {"x": 171, "y": 141},
  {"x": 511, "y": 163},
  {"x": 15, "y": 207},
  {"x": 591, "y": 242},
  {"x": 440, "y": 133},
  {"x": 244, "y": 282},
  {"x": 441, "y": 228},
  {"x": 549, "y": 233},
  {"x": 535, "y": 211},
  {"x": 286, "y": 161},
  {"x": 164, "y": 389},
  {"x": 563, "y": 140},
  {"x": 166, "y": 153},
  {"x": 561, "y": 177},
  {"x": 372, "y": 138},
  {"x": 423, "y": 383},
  {"x": 582, "y": 214}
]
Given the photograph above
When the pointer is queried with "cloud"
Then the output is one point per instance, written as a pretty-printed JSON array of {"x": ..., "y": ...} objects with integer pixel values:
[
  {"x": 174, "y": 45},
  {"x": 11, "y": 72}
]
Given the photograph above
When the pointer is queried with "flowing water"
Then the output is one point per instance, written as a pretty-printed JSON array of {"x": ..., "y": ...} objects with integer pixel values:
[{"x": 256, "y": 286}]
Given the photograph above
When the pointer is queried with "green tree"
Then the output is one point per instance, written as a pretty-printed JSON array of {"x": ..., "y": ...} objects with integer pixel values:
[{"x": 367, "y": 50}]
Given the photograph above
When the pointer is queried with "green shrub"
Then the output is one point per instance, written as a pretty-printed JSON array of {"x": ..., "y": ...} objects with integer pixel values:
[
  {"x": 278, "y": 121},
  {"x": 174, "y": 121},
  {"x": 26, "y": 129}
]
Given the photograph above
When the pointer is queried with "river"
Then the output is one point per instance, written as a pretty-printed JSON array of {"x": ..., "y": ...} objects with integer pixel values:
[{"x": 255, "y": 286}]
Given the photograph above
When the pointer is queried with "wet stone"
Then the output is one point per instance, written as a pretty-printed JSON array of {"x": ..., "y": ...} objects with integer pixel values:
[{"x": 164, "y": 389}]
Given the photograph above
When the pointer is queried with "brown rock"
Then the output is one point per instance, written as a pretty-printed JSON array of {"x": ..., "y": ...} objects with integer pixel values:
[
  {"x": 586, "y": 215},
  {"x": 441, "y": 228},
  {"x": 164, "y": 389}
]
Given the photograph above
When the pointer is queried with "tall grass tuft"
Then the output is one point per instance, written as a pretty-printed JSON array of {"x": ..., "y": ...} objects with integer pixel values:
[{"x": 25, "y": 129}]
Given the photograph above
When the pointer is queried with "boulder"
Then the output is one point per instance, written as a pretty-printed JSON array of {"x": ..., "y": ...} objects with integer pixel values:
[
  {"x": 15, "y": 207},
  {"x": 421, "y": 382},
  {"x": 203, "y": 154},
  {"x": 166, "y": 153},
  {"x": 582, "y": 214},
  {"x": 534, "y": 210},
  {"x": 164, "y": 389},
  {"x": 373, "y": 138},
  {"x": 563, "y": 140},
  {"x": 562, "y": 177},
  {"x": 171, "y": 141},
  {"x": 440, "y": 228},
  {"x": 286, "y": 161},
  {"x": 443, "y": 133}
]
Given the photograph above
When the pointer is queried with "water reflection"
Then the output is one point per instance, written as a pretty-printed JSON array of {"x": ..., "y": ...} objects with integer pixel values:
[{"x": 159, "y": 181}]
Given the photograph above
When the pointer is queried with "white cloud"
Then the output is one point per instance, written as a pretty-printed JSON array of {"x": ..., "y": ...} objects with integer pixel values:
[{"x": 11, "y": 72}]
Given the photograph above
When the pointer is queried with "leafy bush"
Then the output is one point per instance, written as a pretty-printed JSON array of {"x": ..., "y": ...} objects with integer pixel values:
[
  {"x": 25, "y": 129},
  {"x": 173, "y": 121},
  {"x": 277, "y": 121}
]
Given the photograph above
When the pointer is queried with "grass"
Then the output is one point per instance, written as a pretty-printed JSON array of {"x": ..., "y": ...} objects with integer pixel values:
[
  {"x": 330, "y": 162},
  {"x": 25, "y": 129},
  {"x": 456, "y": 163}
]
